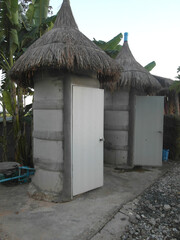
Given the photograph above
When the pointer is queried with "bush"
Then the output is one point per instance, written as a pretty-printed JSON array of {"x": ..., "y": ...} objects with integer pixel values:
[{"x": 171, "y": 138}]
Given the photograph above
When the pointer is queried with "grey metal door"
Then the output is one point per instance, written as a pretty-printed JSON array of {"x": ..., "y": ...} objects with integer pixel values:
[
  {"x": 87, "y": 142},
  {"x": 148, "y": 134}
]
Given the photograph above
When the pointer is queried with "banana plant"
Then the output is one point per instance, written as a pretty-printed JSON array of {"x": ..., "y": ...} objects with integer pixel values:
[
  {"x": 111, "y": 47},
  {"x": 9, "y": 27},
  {"x": 18, "y": 29},
  {"x": 34, "y": 23}
]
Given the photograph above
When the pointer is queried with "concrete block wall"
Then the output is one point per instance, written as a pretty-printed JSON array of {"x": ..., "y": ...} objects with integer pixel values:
[
  {"x": 47, "y": 136},
  {"x": 116, "y": 127}
]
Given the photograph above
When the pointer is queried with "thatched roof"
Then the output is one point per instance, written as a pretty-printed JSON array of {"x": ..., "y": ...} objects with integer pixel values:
[
  {"x": 165, "y": 82},
  {"x": 63, "y": 48},
  {"x": 134, "y": 75}
]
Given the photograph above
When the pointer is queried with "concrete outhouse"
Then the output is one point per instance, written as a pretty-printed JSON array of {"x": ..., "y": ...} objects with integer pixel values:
[
  {"x": 65, "y": 69},
  {"x": 133, "y": 119}
]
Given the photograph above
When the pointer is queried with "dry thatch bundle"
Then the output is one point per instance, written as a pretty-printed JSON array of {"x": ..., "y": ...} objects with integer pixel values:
[
  {"x": 165, "y": 84},
  {"x": 63, "y": 48},
  {"x": 134, "y": 75}
]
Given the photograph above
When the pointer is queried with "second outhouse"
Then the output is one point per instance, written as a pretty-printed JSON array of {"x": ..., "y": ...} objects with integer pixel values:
[{"x": 133, "y": 116}]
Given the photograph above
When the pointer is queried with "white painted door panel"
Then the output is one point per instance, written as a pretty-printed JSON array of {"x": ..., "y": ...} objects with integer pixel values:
[
  {"x": 148, "y": 137},
  {"x": 87, "y": 129}
]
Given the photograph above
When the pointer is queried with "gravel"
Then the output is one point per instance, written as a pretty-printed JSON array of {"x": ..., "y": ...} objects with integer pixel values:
[{"x": 156, "y": 214}]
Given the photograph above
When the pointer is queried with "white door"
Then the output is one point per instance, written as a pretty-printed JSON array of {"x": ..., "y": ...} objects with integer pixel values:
[
  {"x": 148, "y": 138},
  {"x": 87, "y": 138}
]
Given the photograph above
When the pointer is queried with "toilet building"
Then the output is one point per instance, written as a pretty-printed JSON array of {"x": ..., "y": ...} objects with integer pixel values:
[
  {"x": 133, "y": 117},
  {"x": 66, "y": 70}
]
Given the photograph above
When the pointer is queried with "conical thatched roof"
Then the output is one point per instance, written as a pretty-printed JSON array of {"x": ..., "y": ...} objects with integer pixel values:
[
  {"x": 64, "y": 48},
  {"x": 134, "y": 75}
]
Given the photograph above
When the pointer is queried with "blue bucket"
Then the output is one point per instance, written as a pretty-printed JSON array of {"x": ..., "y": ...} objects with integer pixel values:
[{"x": 165, "y": 154}]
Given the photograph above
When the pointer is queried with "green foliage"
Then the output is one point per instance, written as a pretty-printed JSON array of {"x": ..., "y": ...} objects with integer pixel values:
[
  {"x": 12, "y": 11},
  {"x": 40, "y": 11},
  {"x": 14, "y": 41},
  {"x": 33, "y": 26},
  {"x": 9, "y": 26},
  {"x": 17, "y": 32},
  {"x": 150, "y": 66},
  {"x": 30, "y": 14},
  {"x": 178, "y": 71},
  {"x": 111, "y": 47},
  {"x": 176, "y": 84},
  {"x": 7, "y": 100}
]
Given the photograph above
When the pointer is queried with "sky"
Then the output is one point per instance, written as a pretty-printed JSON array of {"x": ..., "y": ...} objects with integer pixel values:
[{"x": 153, "y": 27}]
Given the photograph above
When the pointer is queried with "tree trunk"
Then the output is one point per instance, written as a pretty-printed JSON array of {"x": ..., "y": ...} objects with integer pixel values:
[
  {"x": 177, "y": 104},
  {"x": 4, "y": 156},
  {"x": 22, "y": 137}
]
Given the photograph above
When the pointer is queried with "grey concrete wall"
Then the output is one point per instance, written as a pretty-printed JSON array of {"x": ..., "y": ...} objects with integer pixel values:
[
  {"x": 116, "y": 120},
  {"x": 48, "y": 136},
  {"x": 52, "y": 134}
]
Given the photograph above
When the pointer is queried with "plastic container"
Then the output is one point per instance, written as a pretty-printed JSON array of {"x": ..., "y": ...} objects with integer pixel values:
[{"x": 165, "y": 155}]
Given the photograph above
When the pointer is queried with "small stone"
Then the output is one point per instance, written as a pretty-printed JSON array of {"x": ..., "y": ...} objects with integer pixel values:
[
  {"x": 152, "y": 221},
  {"x": 151, "y": 207},
  {"x": 138, "y": 217},
  {"x": 167, "y": 207},
  {"x": 164, "y": 232},
  {"x": 175, "y": 230}
]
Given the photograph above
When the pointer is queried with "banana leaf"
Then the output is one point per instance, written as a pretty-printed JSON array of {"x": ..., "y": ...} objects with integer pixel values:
[
  {"x": 7, "y": 101},
  {"x": 99, "y": 43},
  {"x": 40, "y": 11},
  {"x": 150, "y": 66},
  {"x": 14, "y": 41},
  {"x": 30, "y": 14},
  {"x": 111, "y": 45},
  {"x": 12, "y": 11}
]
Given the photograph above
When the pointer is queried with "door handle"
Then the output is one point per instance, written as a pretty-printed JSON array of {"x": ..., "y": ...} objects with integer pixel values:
[
  {"x": 101, "y": 139},
  {"x": 159, "y": 131}
]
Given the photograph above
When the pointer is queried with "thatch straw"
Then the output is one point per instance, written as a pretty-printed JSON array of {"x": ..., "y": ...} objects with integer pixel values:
[
  {"x": 134, "y": 75},
  {"x": 64, "y": 48},
  {"x": 165, "y": 84}
]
